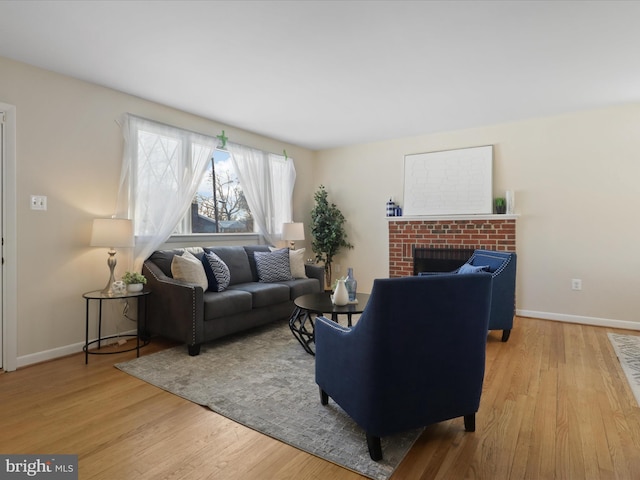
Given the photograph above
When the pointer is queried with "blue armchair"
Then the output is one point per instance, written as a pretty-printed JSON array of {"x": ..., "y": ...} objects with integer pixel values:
[
  {"x": 502, "y": 267},
  {"x": 415, "y": 357}
]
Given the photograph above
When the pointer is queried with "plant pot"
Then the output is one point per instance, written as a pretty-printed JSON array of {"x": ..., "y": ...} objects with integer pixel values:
[{"x": 135, "y": 287}]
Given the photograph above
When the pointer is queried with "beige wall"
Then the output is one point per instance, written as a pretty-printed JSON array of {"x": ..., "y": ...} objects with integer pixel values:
[
  {"x": 576, "y": 183},
  {"x": 575, "y": 178},
  {"x": 69, "y": 148}
]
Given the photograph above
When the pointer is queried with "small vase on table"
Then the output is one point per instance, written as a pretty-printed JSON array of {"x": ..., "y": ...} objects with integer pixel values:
[
  {"x": 352, "y": 285},
  {"x": 340, "y": 296}
]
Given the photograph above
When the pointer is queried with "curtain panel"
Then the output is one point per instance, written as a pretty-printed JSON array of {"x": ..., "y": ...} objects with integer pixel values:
[
  {"x": 163, "y": 166},
  {"x": 267, "y": 180},
  {"x": 161, "y": 169}
]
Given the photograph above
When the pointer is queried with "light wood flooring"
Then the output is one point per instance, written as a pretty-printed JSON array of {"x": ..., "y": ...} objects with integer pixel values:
[{"x": 556, "y": 405}]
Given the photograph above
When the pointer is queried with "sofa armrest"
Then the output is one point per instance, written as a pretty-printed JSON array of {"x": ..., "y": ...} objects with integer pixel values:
[
  {"x": 176, "y": 308},
  {"x": 315, "y": 271}
]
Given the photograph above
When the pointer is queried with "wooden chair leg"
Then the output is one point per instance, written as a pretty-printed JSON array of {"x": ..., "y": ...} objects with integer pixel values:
[
  {"x": 505, "y": 335},
  {"x": 470, "y": 422},
  {"x": 375, "y": 448},
  {"x": 324, "y": 398}
]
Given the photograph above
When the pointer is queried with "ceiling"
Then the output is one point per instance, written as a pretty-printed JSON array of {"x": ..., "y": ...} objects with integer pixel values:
[{"x": 322, "y": 74}]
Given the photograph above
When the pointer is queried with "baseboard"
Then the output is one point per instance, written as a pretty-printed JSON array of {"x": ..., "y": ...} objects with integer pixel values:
[
  {"x": 54, "y": 353},
  {"x": 598, "y": 322}
]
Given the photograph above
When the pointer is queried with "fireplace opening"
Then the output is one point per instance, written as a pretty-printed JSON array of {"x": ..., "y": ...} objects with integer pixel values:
[{"x": 439, "y": 259}]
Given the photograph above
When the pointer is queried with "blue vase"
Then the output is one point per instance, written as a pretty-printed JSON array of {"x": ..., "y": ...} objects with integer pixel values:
[{"x": 351, "y": 284}]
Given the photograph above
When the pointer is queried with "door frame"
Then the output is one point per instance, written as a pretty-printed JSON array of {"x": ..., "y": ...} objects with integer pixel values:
[{"x": 9, "y": 249}]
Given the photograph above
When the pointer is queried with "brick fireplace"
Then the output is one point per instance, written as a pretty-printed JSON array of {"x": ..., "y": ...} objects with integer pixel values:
[{"x": 490, "y": 232}]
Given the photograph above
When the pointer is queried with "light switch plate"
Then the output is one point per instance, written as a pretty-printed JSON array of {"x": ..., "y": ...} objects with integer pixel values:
[{"x": 38, "y": 202}]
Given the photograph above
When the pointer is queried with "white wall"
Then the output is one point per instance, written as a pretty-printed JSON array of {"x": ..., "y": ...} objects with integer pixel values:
[
  {"x": 576, "y": 182},
  {"x": 69, "y": 148}
]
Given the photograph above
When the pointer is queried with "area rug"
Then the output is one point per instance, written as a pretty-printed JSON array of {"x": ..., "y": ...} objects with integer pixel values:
[
  {"x": 264, "y": 380},
  {"x": 627, "y": 349}
]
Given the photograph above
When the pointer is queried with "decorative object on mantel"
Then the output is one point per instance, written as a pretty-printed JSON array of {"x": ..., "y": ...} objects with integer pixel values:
[
  {"x": 449, "y": 182},
  {"x": 391, "y": 208},
  {"x": 327, "y": 229},
  {"x": 501, "y": 206},
  {"x": 511, "y": 202}
]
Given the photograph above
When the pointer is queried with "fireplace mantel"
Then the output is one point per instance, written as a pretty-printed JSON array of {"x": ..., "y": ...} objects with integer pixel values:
[
  {"x": 489, "y": 232},
  {"x": 432, "y": 218}
]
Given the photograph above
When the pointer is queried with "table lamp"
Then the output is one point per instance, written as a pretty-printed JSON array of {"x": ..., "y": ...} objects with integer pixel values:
[
  {"x": 111, "y": 233},
  {"x": 293, "y": 231}
]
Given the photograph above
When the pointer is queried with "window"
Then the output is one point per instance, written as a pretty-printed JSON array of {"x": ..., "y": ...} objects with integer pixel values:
[
  {"x": 170, "y": 185},
  {"x": 219, "y": 205}
]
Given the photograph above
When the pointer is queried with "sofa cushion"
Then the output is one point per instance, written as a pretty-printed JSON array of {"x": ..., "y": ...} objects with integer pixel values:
[
  {"x": 217, "y": 272},
  {"x": 302, "y": 286},
  {"x": 229, "y": 302},
  {"x": 163, "y": 259},
  {"x": 273, "y": 266},
  {"x": 251, "y": 250},
  {"x": 264, "y": 294},
  {"x": 236, "y": 259},
  {"x": 189, "y": 269}
]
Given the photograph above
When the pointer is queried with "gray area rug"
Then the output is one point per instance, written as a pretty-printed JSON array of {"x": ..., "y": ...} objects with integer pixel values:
[
  {"x": 627, "y": 349},
  {"x": 264, "y": 380}
]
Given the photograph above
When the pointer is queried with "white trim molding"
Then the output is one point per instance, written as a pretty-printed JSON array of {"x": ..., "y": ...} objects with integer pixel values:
[{"x": 595, "y": 321}]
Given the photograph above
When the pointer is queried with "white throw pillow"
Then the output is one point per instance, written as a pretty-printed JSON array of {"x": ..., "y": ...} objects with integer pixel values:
[
  {"x": 189, "y": 269},
  {"x": 296, "y": 262}
]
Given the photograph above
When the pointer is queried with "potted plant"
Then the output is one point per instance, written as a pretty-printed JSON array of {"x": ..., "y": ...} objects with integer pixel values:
[
  {"x": 501, "y": 205},
  {"x": 327, "y": 230},
  {"x": 135, "y": 281}
]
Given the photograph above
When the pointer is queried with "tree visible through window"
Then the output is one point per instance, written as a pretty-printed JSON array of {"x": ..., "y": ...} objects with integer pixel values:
[{"x": 220, "y": 205}]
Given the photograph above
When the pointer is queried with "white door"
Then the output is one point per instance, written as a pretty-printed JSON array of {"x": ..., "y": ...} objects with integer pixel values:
[
  {"x": 8, "y": 247},
  {"x": 1, "y": 230}
]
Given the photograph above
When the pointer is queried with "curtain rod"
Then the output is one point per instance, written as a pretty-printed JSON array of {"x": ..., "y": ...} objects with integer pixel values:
[{"x": 284, "y": 152}]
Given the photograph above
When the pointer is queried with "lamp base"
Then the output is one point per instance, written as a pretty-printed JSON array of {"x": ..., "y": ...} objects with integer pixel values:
[{"x": 111, "y": 262}]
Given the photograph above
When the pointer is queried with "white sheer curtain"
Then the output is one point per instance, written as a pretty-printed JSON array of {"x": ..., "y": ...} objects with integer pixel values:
[
  {"x": 267, "y": 182},
  {"x": 161, "y": 169}
]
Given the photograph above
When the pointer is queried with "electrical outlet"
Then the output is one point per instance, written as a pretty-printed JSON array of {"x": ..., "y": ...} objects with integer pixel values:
[
  {"x": 576, "y": 284},
  {"x": 337, "y": 267},
  {"x": 38, "y": 202}
]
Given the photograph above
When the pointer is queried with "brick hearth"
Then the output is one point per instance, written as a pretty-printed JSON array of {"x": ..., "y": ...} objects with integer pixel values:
[{"x": 406, "y": 234}]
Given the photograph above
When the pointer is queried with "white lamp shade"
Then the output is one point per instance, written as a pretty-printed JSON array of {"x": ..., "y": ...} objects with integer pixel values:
[
  {"x": 293, "y": 231},
  {"x": 112, "y": 232}
]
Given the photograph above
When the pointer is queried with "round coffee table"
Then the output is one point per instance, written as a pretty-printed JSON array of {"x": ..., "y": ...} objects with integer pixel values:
[{"x": 301, "y": 321}]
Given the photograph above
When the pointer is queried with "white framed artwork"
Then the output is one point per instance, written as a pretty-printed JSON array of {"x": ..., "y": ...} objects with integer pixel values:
[{"x": 449, "y": 182}]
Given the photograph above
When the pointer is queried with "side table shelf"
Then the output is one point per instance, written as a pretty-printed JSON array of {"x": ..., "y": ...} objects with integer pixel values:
[{"x": 100, "y": 297}]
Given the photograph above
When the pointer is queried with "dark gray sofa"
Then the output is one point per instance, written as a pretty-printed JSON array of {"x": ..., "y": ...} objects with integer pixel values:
[{"x": 187, "y": 313}]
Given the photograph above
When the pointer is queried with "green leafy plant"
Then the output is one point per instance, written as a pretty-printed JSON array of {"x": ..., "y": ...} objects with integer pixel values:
[
  {"x": 500, "y": 204},
  {"x": 327, "y": 230},
  {"x": 134, "y": 277}
]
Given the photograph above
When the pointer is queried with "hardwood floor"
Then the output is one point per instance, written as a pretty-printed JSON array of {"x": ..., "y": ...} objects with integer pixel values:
[{"x": 556, "y": 405}]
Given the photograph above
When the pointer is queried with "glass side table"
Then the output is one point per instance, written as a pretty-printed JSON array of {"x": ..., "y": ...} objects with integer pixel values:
[{"x": 100, "y": 297}]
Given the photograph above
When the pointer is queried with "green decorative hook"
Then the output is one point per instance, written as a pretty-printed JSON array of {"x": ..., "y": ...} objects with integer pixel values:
[{"x": 223, "y": 140}]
